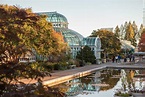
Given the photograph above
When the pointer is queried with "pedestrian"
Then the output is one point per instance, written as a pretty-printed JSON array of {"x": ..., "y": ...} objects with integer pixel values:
[
  {"x": 133, "y": 58},
  {"x": 113, "y": 58},
  {"x": 130, "y": 57},
  {"x": 119, "y": 58},
  {"x": 116, "y": 58},
  {"x": 125, "y": 59}
]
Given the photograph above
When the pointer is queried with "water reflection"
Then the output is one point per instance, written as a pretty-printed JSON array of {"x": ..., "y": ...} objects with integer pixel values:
[{"x": 104, "y": 82}]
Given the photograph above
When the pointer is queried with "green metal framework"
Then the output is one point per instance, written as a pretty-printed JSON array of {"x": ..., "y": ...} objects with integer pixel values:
[{"x": 73, "y": 38}]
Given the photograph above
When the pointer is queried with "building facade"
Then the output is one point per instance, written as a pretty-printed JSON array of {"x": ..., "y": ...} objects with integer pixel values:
[{"x": 75, "y": 40}]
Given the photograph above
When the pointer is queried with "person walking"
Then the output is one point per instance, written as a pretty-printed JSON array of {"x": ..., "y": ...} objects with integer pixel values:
[
  {"x": 116, "y": 58},
  {"x": 119, "y": 58},
  {"x": 133, "y": 58},
  {"x": 125, "y": 59},
  {"x": 113, "y": 58},
  {"x": 130, "y": 58}
]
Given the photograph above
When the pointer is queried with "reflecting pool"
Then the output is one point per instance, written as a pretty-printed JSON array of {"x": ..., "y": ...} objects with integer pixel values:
[{"x": 104, "y": 83}]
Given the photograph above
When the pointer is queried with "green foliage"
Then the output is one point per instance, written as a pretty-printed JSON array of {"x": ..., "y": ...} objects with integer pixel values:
[
  {"x": 60, "y": 66},
  {"x": 49, "y": 67},
  {"x": 57, "y": 66},
  {"x": 86, "y": 54},
  {"x": 110, "y": 43}
]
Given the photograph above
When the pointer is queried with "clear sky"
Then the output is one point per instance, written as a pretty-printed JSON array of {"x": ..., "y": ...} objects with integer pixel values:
[{"x": 84, "y": 16}]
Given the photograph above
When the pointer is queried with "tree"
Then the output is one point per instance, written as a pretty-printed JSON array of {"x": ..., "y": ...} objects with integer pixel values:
[
  {"x": 130, "y": 34},
  {"x": 117, "y": 30},
  {"x": 59, "y": 44},
  {"x": 141, "y": 44},
  {"x": 61, "y": 49},
  {"x": 134, "y": 27},
  {"x": 141, "y": 29},
  {"x": 20, "y": 32},
  {"x": 86, "y": 54},
  {"x": 110, "y": 43}
]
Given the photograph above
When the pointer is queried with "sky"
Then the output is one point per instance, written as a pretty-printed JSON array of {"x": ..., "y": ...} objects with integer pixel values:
[{"x": 84, "y": 16}]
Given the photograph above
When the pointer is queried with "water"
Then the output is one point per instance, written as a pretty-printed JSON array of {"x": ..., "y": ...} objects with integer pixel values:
[{"x": 104, "y": 83}]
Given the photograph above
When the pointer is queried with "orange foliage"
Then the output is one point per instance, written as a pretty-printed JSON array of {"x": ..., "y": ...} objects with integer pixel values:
[
  {"x": 60, "y": 44},
  {"x": 58, "y": 36},
  {"x": 141, "y": 44}
]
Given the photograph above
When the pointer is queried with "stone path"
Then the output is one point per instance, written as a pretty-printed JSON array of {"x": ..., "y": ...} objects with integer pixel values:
[{"x": 62, "y": 76}]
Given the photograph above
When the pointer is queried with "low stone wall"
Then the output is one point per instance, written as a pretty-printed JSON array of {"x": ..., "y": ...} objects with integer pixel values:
[
  {"x": 70, "y": 77},
  {"x": 60, "y": 80}
]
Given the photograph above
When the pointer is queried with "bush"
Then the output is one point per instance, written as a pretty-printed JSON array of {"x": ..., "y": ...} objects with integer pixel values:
[
  {"x": 57, "y": 66},
  {"x": 50, "y": 67}
]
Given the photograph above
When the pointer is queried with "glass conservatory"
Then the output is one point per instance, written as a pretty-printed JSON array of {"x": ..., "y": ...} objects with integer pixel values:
[{"x": 75, "y": 40}]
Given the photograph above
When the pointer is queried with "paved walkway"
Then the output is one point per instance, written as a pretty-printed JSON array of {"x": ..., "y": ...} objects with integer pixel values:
[{"x": 62, "y": 76}]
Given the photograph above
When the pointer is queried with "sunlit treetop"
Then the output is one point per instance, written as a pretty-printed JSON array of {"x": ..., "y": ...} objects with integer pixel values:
[{"x": 20, "y": 27}]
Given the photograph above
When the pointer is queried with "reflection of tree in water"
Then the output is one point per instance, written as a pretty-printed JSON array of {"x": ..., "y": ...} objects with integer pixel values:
[
  {"x": 99, "y": 81},
  {"x": 71, "y": 87},
  {"x": 62, "y": 87},
  {"x": 132, "y": 79},
  {"x": 140, "y": 75},
  {"x": 93, "y": 82},
  {"x": 127, "y": 79},
  {"x": 86, "y": 80},
  {"x": 107, "y": 78}
]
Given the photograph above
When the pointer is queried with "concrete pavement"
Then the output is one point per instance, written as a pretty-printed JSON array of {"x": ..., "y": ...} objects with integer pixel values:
[{"x": 62, "y": 76}]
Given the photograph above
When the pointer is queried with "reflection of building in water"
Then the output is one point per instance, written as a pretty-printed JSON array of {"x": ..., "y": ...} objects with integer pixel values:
[
  {"x": 75, "y": 87},
  {"x": 91, "y": 84}
]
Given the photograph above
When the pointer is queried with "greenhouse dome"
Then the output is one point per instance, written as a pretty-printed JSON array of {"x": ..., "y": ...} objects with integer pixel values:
[
  {"x": 60, "y": 24},
  {"x": 75, "y": 40},
  {"x": 58, "y": 20}
]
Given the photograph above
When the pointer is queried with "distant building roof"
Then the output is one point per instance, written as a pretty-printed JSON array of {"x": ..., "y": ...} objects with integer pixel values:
[{"x": 108, "y": 29}]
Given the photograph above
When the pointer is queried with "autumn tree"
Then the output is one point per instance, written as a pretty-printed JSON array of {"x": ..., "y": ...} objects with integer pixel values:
[
  {"x": 135, "y": 28},
  {"x": 130, "y": 34},
  {"x": 140, "y": 31},
  {"x": 110, "y": 43},
  {"x": 21, "y": 30},
  {"x": 117, "y": 30},
  {"x": 61, "y": 49},
  {"x": 141, "y": 44}
]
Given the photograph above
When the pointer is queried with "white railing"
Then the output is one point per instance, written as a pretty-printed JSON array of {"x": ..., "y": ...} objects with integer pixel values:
[{"x": 25, "y": 60}]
